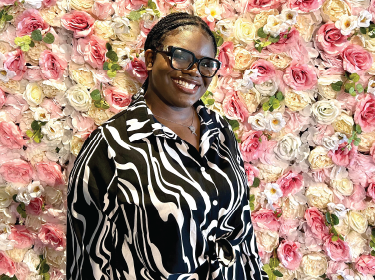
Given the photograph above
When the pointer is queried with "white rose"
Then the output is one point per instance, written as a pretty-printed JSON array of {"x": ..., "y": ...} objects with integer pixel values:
[
  {"x": 357, "y": 221},
  {"x": 314, "y": 264},
  {"x": 369, "y": 212},
  {"x": 258, "y": 122},
  {"x": 343, "y": 186},
  {"x": 53, "y": 132},
  {"x": 35, "y": 189},
  {"x": 325, "y": 88},
  {"x": 55, "y": 258},
  {"x": 319, "y": 158},
  {"x": 52, "y": 88},
  {"x": 356, "y": 244},
  {"x": 293, "y": 208},
  {"x": 268, "y": 239},
  {"x": 343, "y": 227},
  {"x": 33, "y": 222},
  {"x": 330, "y": 143},
  {"x": 326, "y": 111},
  {"x": 33, "y": 94},
  {"x": 53, "y": 196},
  {"x": 338, "y": 209},
  {"x": 33, "y": 4},
  {"x": 5, "y": 243},
  {"x": 346, "y": 24},
  {"x": 275, "y": 25},
  {"x": 79, "y": 97},
  {"x": 319, "y": 195},
  {"x": 269, "y": 173},
  {"x": 32, "y": 260},
  {"x": 120, "y": 25},
  {"x": 226, "y": 27},
  {"x": 40, "y": 114},
  {"x": 296, "y": 100},
  {"x": 244, "y": 30},
  {"x": 5, "y": 198},
  {"x": 23, "y": 196},
  {"x": 288, "y": 147},
  {"x": 267, "y": 88},
  {"x": 149, "y": 18}
]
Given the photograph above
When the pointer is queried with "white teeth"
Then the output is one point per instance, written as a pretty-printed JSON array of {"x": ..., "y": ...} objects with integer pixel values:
[{"x": 185, "y": 84}]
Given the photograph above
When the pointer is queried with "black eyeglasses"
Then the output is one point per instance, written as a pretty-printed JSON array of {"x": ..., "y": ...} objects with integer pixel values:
[{"x": 182, "y": 59}]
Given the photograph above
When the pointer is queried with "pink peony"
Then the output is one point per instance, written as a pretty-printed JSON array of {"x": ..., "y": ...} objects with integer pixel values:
[
  {"x": 124, "y": 7},
  {"x": 289, "y": 255},
  {"x": 337, "y": 250},
  {"x": 255, "y": 6},
  {"x": 226, "y": 56},
  {"x": 315, "y": 220},
  {"x": 52, "y": 236},
  {"x": 266, "y": 71},
  {"x": 290, "y": 183},
  {"x": 22, "y": 271},
  {"x": 35, "y": 206},
  {"x": 285, "y": 44},
  {"x": 52, "y": 107},
  {"x": 265, "y": 219},
  {"x": 343, "y": 156},
  {"x": 137, "y": 69},
  {"x": 49, "y": 3},
  {"x": 33, "y": 74},
  {"x": 16, "y": 171},
  {"x": 356, "y": 59},
  {"x": 52, "y": 66},
  {"x": 288, "y": 228},
  {"x": 234, "y": 107},
  {"x": 251, "y": 172},
  {"x": 50, "y": 173},
  {"x": 7, "y": 266},
  {"x": 300, "y": 76},
  {"x": 102, "y": 9},
  {"x": 371, "y": 191},
  {"x": 117, "y": 99},
  {"x": 93, "y": 50},
  {"x": 80, "y": 22},
  {"x": 305, "y": 6},
  {"x": 7, "y": 2},
  {"x": 11, "y": 135},
  {"x": 330, "y": 40},
  {"x": 15, "y": 61},
  {"x": 29, "y": 21},
  {"x": 356, "y": 201},
  {"x": 365, "y": 113},
  {"x": 365, "y": 264},
  {"x": 22, "y": 236},
  {"x": 251, "y": 146}
]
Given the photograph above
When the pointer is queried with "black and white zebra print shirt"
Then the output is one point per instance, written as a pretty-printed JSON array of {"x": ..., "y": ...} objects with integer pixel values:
[{"x": 144, "y": 204}]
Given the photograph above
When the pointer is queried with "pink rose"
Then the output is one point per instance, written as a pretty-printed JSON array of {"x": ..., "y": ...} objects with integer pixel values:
[
  {"x": 356, "y": 59},
  {"x": 290, "y": 183},
  {"x": 83, "y": 124},
  {"x": 117, "y": 99},
  {"x": 35, "y": 206},
  {"x": 29, "y": 21},
  {"x": 251, "y": 146},
  {"x": 228, "y": 9},
  {"x": 52, "y": 107},
  {"x": 266, "y": 71},
  {"x": 33, "y": 74},
  {"x": 285, "y": 44},
  {"x": 342, "y": 156},
  {"x": 234, "y": 107},
  {"x": 365, "y": 264},
  {"x": 372, "y": 151},
  {"x": 22, "y": 236},
  {"x": 6, "y": 2},
  {"x": 356, "y": 201},
  {"x": 7, "y": 266},
  {"x": 304, "y": 6},
  {"x": 361, "y": 169},
  {"x": 137, "y": 69},
  {"x": 265, "y": 219},
  {"x": 211, "y": 24},
  {"x": 52, "y": 236},
  {"x": 124, "y": 7},
  {"x": 15, "y": 61},
  {"x": 337, "y": 250},
  {"x": 93, "y": 50},
  {"x": 79, "y": 22},
  {"x": 2, "y": 98},
  {"x": 330, "y": 40},
  {"x": 52, "y": 66},
  {"x": 365, "y": 113},
  {"x": 11, "y": 135},
  {"x": 251, "y": 172},
  {"x": 371, "y": 191},
  {"x": 288, "y": 227},
  {"x": 294, "y": 121},
  {"x": 289, "y": 255},
  {"x": 255, "y": 6},
  {"x": 226, "y": 56},
  {"x": 300, "y": 76},
  {"x": 16, "y": 171},
  {"x": 165, "y": 5},
  {"x": 102, "y": 9},
  {"x": 50, "y": 173},
  {"x": 22, "y": 271},
  {"x": 315, "y": 220},
  {"x": 49, "y": 3}
]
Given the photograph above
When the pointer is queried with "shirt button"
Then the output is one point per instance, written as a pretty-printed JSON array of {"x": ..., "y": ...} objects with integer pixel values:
[
  {"x": 214, "y": 202},
  {"x": 202, "y": 169}
]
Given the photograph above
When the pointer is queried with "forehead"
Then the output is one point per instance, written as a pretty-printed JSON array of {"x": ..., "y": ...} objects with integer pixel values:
[{"x": 193, "y": 39}]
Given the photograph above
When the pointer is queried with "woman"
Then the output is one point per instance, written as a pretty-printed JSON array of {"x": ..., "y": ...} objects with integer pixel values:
[{"x": 159, "y": 191}]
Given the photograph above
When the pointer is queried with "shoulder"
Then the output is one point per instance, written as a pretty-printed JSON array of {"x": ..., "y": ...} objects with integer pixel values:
[{"x": 210, "y": 116}]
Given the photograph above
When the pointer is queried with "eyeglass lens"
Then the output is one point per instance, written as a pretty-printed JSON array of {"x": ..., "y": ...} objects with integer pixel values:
[{"x": 183, "y": 60}]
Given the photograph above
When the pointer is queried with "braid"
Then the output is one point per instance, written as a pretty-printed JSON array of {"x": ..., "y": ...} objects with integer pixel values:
[{"x": 171, "y": 22}]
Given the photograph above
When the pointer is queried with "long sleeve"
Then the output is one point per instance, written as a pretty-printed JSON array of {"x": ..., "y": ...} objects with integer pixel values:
[{"x": 91, "y": 205}]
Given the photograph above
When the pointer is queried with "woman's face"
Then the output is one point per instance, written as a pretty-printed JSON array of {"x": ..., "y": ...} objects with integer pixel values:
[{"x": 163, "y": 79}]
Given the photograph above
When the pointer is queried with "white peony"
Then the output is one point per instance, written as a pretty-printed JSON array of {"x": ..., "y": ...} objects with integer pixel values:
[
  {"x": 275, "y": 25},
  {"x": 32, "y": 260},
  {"x": 356, "y": 244}
]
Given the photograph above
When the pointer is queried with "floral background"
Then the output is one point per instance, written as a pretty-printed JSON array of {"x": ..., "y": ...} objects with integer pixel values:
[{"x": 297, "y": 85}]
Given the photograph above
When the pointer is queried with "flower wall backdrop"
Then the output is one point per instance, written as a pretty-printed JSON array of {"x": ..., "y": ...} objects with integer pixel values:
[{"x": 297, "y": 85}]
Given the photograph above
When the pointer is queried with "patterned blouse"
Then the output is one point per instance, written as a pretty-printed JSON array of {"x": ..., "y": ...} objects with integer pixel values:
[{"x": 145, "y": 204}]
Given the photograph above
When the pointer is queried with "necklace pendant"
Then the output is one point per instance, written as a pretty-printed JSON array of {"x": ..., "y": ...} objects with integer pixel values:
[{"x": 192, "y": 129}]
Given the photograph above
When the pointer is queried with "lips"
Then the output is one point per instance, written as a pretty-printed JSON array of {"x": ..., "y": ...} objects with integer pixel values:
[{"x": 185, "y": 85}]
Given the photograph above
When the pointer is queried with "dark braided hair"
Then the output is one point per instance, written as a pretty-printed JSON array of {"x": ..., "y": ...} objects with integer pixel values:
[{"x": 173, "y": 21}]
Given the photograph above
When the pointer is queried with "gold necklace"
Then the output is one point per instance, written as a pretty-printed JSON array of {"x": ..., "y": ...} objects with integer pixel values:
[{"x": 191, "y": 127}]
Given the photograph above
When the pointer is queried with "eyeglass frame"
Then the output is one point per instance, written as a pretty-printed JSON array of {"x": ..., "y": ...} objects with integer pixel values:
[{"x": 172, "y": 49}]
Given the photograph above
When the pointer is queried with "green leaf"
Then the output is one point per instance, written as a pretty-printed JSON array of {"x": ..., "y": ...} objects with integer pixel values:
[
  {"x": 35, "y": 125},
  {"x": 25, "y": 48},
  {"x": 372, "y": 244},
  {"x": 108, "y": 46},
  {"x": 134, "y": 15},
  {"x": 265, "y": 44},
  {"x": 351, "y": 90},
  {"x": 32, "y": 44},
  {"x": 46, "y": 276},
  {"x": 97, "y": 104},
  {"x": 266, "y": 106},
  {"x": 210, "y": 101},
  {"x": 349, "y": 85},
  {"x": 358, "y": 129},
  {"x": 105, "y": 66},
  {"x": 335, "y": 219},
  {"x": 277, "y": 273},
  {"x": 335, "y": 238},
  {"x": 252, "y": 198},
  {"x": 271, "y": 109},
  {"x": 363, "y": 30},
  {"x": 359, "y": 88},
  {"x": 272, "y": 98},
  {"x": 357, "y": 141},
  {"x": 21, "y": 41},
  {"x": 21, "y": 209},
  {"x": 44, "y": 267},
  {"x": 14, "y": 198},
  {"x": 267, "y": 269},
  {"x": 328, "y": 217},
  {"x": 37, "y": 137},
  {"x": 111, "y": 73},
  {"x": 95, "y": 95},
  {"x": 112, "y": 56},
  {"x": 261, "y": 33},
  {"x": 49, "y": 38},
  {"x": 104, "y": 104},
  {"x": 279, "y": 96},
  {"x": 252, "y": 206},
  {"x": 354, "y": 77},
  {"x": 234, "y": 124},
  {"x": 373, "y": 234},
  {"x": 373, "y": 254},
  {"x": 115, "y": 67},
  {"x": 8, "y": 17},
  {"x": 276, "y": 104},
  {"x": 341, "y": 237},
  {"x": 274, "y": 262},
  {"x": 337, "y": 86},
  {"x": 29, "y": 133},
  {"x": 323, "y": 276},
  {"x": 256, "y": 182},
  {"x": 274, "y": 39},
  {"x": 218, "y": 38},
  {"x": 37, "y": 35}
]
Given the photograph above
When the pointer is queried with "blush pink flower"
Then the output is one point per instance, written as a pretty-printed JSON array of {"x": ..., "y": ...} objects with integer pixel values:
[
  {"x": 102, "y": 9},
  {"x": 6, "y": 2},
  {"x": 117, "y": 99},
  {"x": 356, "y": 59},
  {"x": 251, "y": 145},
  {"x": 285, "y": 44},
  {"x": 11, "y": 135},
  {"x": 365, "y": 264},
  {"x": 255, "y": 6},
  {"x": 365, "y": 113},
  {"x": 15, "y": 61},
  {"x": 305, "y": 6},
  {"x": 52, "y": 236},
  {"x": 137, "y": 69},
  {"x": 330, "y": 40},
  {"x": 356, "y": 201},
  {"x": 251, "y": 172},
  {"x": 290, "y": 183},
  {"x": 35, "y": 206},
  {"x": 50, "y": 173},
  {"x": 52, "y": 66},
  {"x": 16, "y": 171},
  {"x": 93, "y": 50},
  {"x": 49, "y": 3},
  {"x": 288, "y": 227},
  {"x": 22, "y": 236},
  {"x": 265, "y": 219},
  {"x": 315, "y": 220},
  {"x": 80, "y": 22},
  {"x": 124, "y": 7},
  {"x": 22, "y": 271},
  {"x": 2, "y": 98},
  {"x": 343, "y": 156},
  {"x": 289, "y": 255},
  {"x": 7, "y": 266},
  {"x": 226, "y": 56},
  {"x": 371, "y": 190},
  {"x": 266, "y": 71},
  {"x": 165, "y": 5},
  {"x": 29, "y": 21},
  {"x": 300, "y": 76},
  {"x": 337, "y": 250},
  {"x": 234, "y": 107}
]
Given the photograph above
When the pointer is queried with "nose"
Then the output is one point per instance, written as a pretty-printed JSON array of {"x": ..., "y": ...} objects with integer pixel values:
[{"x": 193, "y": 70}]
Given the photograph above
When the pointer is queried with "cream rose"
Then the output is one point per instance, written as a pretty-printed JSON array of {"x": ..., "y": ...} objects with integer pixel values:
[
  {"x": 226, "y": 28},
  {"x": 343, "y": 186},
  {"x": 131, "y": 37},
  {"x": 32, "y": 260},
  {"x": 52, "y": 89},
  {"x": 332, "y": 10},
  {"x": 104, "y": 30},
  {"x": 288, "y": 147},
  {"x": 319, "y": 158},
  {"x": 306, "y": 24},
  {"x": 79, "y": 97},
  {"x": 367, "y": 140},
  {"x": 343, "y": 227},
  {"x": 99, "y": 115},
  {"x": 52, "y": 15},
  {"x": 324, "y": 86},
  {"x": 267, "y": 88},
  {"x": 357, "y": 221},
  {"x": 55, "y": 258},
  {"x": 369, "y": 213},
  {"x": 319, "y": 195},
  {"x": 33, "y": 94},
  {"x": 252, "y": 100},
  {"x": 76, "y": 144},
  {"x": 314, "y": 264},
  {"x": 33, "y": 222},
  {"x": 326, "y": 111},
  {"x": 33, "y": 54},
  {"x": 268, "y": 239},
  {"x": 356, "y": 244},
  {"x": 242, "y": 58},
  {"x": 5, "y": 198},
  {"x": 81, "y": 75},
  {"x": 280, "y": 60},
  {"x": 244, "y": 30},
  {"x": 292, "y": 208},
  {"x": 17, "y": 254},
  {"x": 82, "y": 5},
  {"x": 52, "y": 196},
  {"x": 344, "y": 124},
  {"x": 269, "y": 173},
  {"x": 124, "y": 81},
  {"x": 260, "y": 19},
  {"x": 296, "y": 100}
]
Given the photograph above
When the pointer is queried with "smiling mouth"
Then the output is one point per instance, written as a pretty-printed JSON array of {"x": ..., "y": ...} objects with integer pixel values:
[{"x": 185, "y": 84}]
